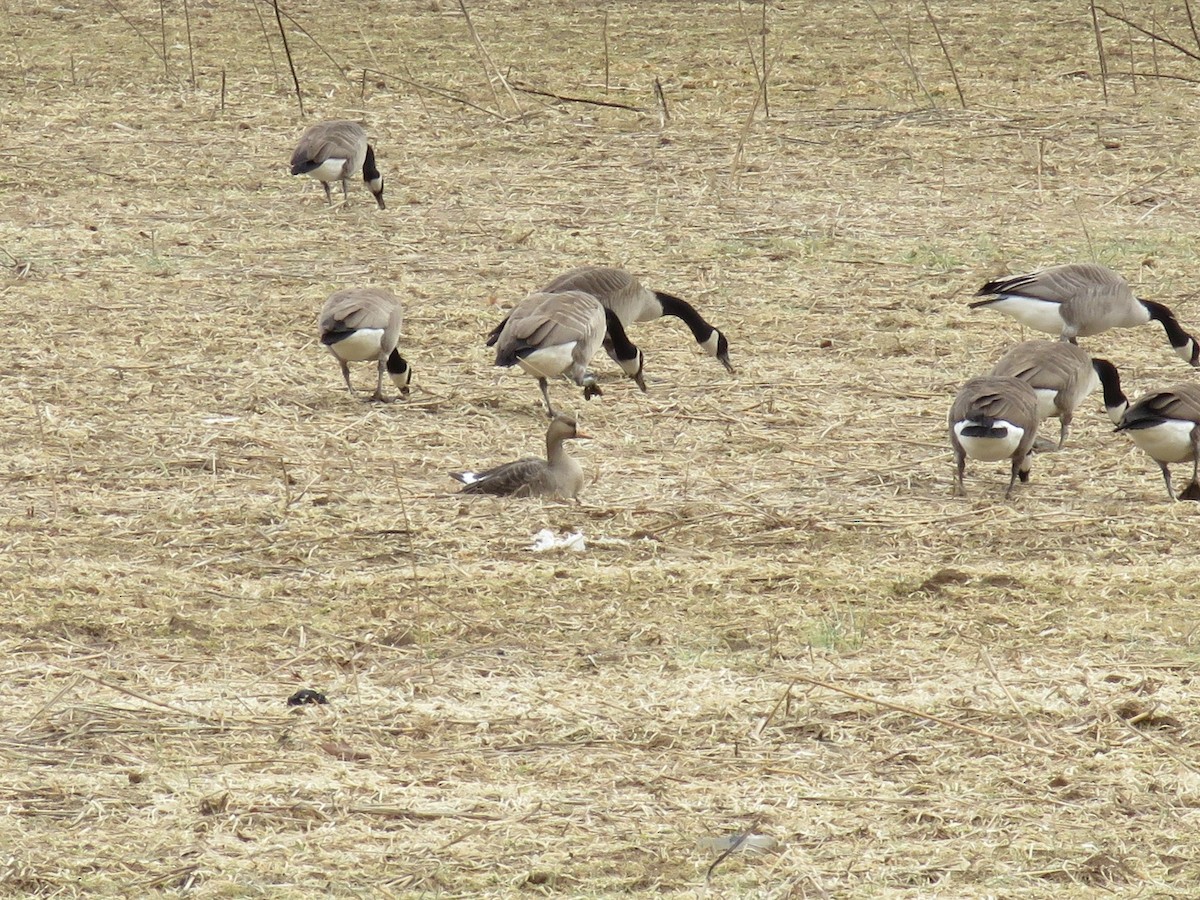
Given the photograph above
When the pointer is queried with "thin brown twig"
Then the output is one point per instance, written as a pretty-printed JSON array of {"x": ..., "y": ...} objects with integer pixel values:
[
  {"x": 526, "y": 89},
  {"x": 908, "y": 710},
  {"x": 945, "y": 52},
  {"x": 288, "y": 52},
  {"x": 487, "y": 58},
  {"x": 912, "y": 68},
  {"x": 1150, "y": 34}
]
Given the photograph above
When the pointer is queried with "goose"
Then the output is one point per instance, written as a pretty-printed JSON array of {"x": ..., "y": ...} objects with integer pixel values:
[
  {"x": 358, "y": 324},
  {"x": 993, "y": 418},
  {"x": 625, "y": 295},
  {"x": 1081, "y": 299},
  {"x": 1166, "y": 425},
  {"x": 558, "y": 475},
  {"x": 1061, "y": 375},
  {"x": 335, "y": 151},
  {"x": 558, "y": 334}
]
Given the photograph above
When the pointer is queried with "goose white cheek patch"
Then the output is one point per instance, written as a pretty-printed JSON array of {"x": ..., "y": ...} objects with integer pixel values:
[{"x": 710, "y": 345}]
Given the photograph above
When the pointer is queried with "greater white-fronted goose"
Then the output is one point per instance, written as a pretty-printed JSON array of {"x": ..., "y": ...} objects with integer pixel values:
[
  {"x": 335, "y": 151},
  {"x": 993, "y": 418},
  {"x": 1062, "y": 375},
  {"x": 558, "y": 475},
  {"x": 1166, "y": 425},
  {"x": 358, "y": 324},
  {"x": 1081, "y": 299},
  {"x": 558, "y": 334},
  {"x": 631, "y": 301}
]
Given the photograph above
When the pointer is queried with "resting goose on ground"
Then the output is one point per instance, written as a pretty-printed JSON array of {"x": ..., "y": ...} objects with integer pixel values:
[
  {"x": 625, "y": 295},
  {"x": 1062, "y": 376},
  {"x": 1166, "y": 425},
  {"x": 558, "y": 334},
  {"x": 358, "y": 324},
  {"x": 558, "y": 475},
  {"x": 1081, "y": 299},
  {"x": 992, "y": 419},
  {"x": 335, "y": 151}
]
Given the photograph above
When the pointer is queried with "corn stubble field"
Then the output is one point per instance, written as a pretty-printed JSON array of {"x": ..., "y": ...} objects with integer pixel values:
[{"x": 783, "y": 622}]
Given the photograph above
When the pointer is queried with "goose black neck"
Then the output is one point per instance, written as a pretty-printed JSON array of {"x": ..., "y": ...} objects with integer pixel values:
[
  {"x": 681, "y": 309},
  {"x": 1182, "y": 342},
  {"x": 396, "y": 364},
  {"x": 370, "y": 171},
  {"x": 1110, "y": 382},
  {"x": 623, "y": 348}
]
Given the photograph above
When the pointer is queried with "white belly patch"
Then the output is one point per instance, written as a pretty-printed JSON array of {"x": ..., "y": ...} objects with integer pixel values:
[
  {"x": 989, "y": 449},
  {"x": 549, "y": 361},
  {"x": 1170, "y": 442},
  {"x": 360, "y": 345}
]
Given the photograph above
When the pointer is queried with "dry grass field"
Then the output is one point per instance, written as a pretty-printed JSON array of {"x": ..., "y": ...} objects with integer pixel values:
[{"x": 783, "y": 622}]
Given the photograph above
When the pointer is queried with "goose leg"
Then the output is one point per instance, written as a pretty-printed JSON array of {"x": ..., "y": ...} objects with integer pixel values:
[
  {"x": 960, "y": 467},
  {"x": 328, "y": 196},
  {"x": 1192, "y": 491},
  {"x": 545, "y": 386},
  {"x": 378, "y": 395},
  {"x": 345, "y": 192},
  {"x": 1016, "y": 470},
  {"x": 1064, "y": 429},
  {"x": 1167, "y": 480},
  {"x": 346, "y": 375}
]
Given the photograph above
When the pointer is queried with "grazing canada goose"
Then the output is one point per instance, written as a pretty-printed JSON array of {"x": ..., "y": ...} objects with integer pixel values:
[
  {"x": 358, "y": 324},
  {"x": 1061, "y": 375},
  {"x": 1082, "y": 299},
  {"x": 558, "y": 475},
  {"x": 335, "y": 151},
  {"x": 993, "y": 418},
  {"x": 557, "y": 334},
  {"x": 625, "y": 295},
  {"x": 1166, "y": 425}
]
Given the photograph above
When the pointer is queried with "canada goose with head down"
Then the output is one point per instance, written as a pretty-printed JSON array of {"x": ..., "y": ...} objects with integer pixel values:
[
  {"x": 1062, "y": 376},
  {"x": 335, "y": 151},
  {"x": 1081, "y": 299},
  {"x": 359, "y": 324},
  {"x": 993, "y": 418},
  {"x": 550, "y": 334},
  {"x": 631, "y": 301}
]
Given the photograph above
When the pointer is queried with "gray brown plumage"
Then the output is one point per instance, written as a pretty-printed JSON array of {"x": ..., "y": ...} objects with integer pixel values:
[
  {"x": 359, "y": 324},
  {"x": 336, "y": 151},
  {"x": 1081, "y": 299},
  {"x": 1062, "y": 375},
  {"x": 553, "y": 334},
  {"x": 1166, "y": 425},
  {"x": 558, "y": 475},
  {"x": 631, "y": 301},
  {"x": 993, "y": 418}
]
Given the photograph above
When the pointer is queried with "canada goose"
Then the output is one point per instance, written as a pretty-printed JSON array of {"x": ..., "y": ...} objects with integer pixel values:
[
  {"x": 1081, "y": 299},
  {"x": 993, "y": 418},
  {"x": 558, "y": 475},
  {"x": 335, "y": 151},
  {"x": 1061, "y": 375},
  {"x": 625, "y": 295},
  {"x": 358, "y": 324},
  {"x": 557, "y": 334},
  {"x": 1166, "y": 425}
]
